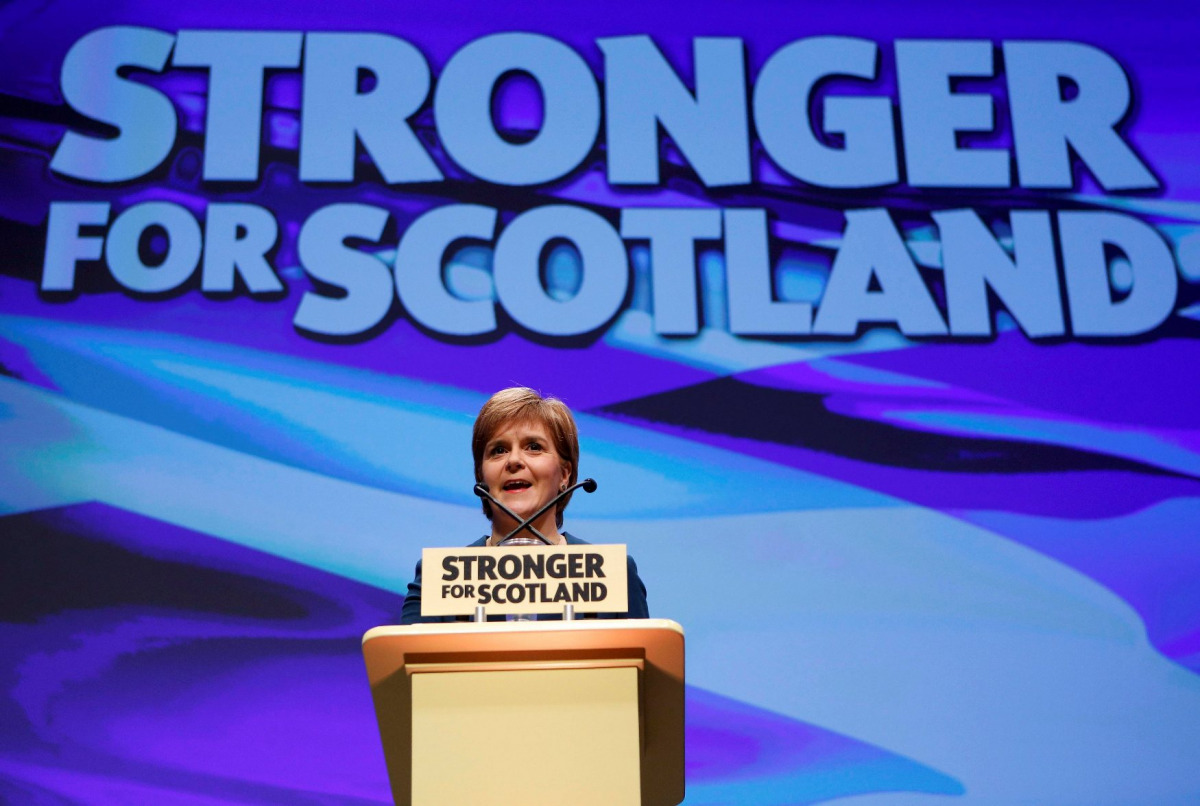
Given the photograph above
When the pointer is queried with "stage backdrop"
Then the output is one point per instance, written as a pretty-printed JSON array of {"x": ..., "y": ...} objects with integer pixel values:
[{"x": 879, "y": 322}]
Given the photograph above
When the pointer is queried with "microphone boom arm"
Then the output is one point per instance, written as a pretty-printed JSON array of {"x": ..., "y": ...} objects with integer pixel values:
[
  {"x": 483, "y": 492},
  {"x": 588, "y": 485}
]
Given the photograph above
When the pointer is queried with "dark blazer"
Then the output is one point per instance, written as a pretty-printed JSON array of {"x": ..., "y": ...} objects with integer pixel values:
[{"x": 411, "y": 612}]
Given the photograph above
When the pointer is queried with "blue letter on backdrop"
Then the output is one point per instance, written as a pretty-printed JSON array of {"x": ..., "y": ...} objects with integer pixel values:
[
  {"x": 872, "y": 246},
  {"x": 752, "y": 309},
  {"x": 236, "y": 62},
  {"x": 932, "y": 116},
  {"x": 517, "y": 269},
  {"x": 237, "y": 238},
  {"x": 1151, "y": 298},
  {"x": 65, "y": 246},
  {"x": 326, "y": 257},
  {"x": 673, "y": 233},
  {"x": 462, "y": 109},
  {"x": 1027, "y": 283},
  {"x": 781, "y": 98},
  {"x": 144, "y": 115},
  {"x": 182, "y": 247},
  {"x": 710, "y": 128},
  {"x": 335, "y": 111},
  {"x": 1045, "y": 124},
  {"x": 418, "y": 270}
]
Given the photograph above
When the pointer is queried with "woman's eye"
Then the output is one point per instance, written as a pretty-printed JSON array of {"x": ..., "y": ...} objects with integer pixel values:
[
  {"x": 535, "y": 446},
  {"x": 497, "y": 449}
]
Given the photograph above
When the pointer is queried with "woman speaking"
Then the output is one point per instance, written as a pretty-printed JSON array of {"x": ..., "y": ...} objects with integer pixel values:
[{"x": 526, "y": 451}]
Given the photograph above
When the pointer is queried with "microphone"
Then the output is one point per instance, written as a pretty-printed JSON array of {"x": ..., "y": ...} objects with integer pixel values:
[
  {"x": 588, "y": 485},
  {"x": 483, "y": 492}
]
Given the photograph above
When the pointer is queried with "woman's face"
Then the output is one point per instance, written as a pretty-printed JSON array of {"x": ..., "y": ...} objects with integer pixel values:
[{"x": 523, "y": 471}]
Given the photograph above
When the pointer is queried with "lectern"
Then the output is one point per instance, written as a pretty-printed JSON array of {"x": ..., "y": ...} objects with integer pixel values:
[{"x": 531, "y": 712}]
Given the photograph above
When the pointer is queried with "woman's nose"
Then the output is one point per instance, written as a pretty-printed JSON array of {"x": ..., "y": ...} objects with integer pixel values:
[{"x": 514, "y": 459}]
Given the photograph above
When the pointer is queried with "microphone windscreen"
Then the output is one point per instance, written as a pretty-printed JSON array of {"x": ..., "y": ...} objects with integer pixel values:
[
  {"x": 481, "y": 491},
  {"x": 589, "y": 485}
]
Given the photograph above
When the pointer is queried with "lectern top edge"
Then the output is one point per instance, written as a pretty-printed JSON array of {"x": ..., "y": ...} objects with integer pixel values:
[{"x": 494, "y": 627}]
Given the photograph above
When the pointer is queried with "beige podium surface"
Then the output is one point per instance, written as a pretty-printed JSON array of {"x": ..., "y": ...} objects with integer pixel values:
[{"x": 534, "y": 712}]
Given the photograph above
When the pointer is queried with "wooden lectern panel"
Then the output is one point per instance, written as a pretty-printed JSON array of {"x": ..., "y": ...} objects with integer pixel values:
[
  {"x": 507, "y": 724},
  {"x": 428, "y": 682}
]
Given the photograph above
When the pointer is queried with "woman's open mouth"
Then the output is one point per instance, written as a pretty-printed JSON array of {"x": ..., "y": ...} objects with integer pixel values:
[{"x": 516, "y": 485}]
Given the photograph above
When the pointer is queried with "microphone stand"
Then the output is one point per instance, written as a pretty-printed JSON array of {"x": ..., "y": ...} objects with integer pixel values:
[
  {"x": 588, "y": 485},
  {"x": 483, "y": 492}
]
